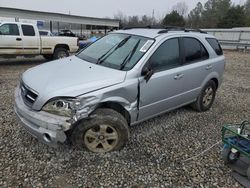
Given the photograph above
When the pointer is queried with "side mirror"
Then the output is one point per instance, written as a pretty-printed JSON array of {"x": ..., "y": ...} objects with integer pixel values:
[{"x": 147, "y": 72}]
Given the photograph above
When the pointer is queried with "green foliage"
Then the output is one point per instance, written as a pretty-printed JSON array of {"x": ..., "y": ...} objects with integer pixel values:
[
  {"x": 195, "y": 16},
  {"x": 219, "y": 13},
  {"x": 214, "y": 12},
  {"x": 174, "y": 19},
  {"x": 247, "y": 13},
  {"x": 247, "y": 6},
  {"x": 235, "y": 17}
]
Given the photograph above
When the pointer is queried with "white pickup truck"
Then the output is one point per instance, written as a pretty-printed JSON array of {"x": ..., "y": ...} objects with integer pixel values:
[{"x": 23, "y": 39}]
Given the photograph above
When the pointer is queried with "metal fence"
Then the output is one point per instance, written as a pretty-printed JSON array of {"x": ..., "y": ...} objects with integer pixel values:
[{"x": 234, "y": 39}]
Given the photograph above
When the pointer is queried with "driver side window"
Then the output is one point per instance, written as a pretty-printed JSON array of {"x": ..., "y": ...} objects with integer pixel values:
[
  {"x": 9, "y": 29},
  {"x": 167, "y": 56}
]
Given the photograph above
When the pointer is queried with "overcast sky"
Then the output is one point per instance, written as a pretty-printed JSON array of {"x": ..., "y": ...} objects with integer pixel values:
[{"x": 102, "y": 8}]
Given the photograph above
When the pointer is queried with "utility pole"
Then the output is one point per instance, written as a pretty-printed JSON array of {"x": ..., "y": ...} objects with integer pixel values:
[{"x": 153, "y": 17}]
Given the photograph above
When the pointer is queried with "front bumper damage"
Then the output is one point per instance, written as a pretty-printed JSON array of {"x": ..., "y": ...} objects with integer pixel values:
[{"x": 47, "y": 128}]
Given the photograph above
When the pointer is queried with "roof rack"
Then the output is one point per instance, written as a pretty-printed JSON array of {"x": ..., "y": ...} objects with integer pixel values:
[{"x": 165, "y": 29}]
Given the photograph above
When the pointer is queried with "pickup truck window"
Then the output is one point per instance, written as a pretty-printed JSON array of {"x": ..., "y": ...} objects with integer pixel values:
[
  {"x": 9, "y": 29},
  {"x": 117, "y": 51},
  {"x": 28, "y": 30}
]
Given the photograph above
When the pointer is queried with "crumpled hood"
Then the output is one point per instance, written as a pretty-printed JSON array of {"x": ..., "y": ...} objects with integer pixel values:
[{"x": 69, "y": 77}]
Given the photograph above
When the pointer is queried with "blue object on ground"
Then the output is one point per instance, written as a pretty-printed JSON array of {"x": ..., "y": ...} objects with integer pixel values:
[
  {"x": 240, "y": 142},
  {"x": 83, "y": 44}
]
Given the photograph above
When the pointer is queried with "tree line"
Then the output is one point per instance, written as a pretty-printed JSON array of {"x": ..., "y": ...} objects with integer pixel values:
[{"x": 212, "y": 14}]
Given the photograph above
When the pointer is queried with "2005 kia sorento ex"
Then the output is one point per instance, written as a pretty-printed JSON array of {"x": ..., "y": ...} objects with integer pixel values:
[{"x": 122, "y": 79}]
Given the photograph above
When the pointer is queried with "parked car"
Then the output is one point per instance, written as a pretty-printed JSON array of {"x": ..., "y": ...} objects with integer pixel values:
[
  {"x": 23, "y": 39},
  {"x": 122, "y": 79},
  {"x": 67, "y": 33},
  {"x": 45, "y": 33}
]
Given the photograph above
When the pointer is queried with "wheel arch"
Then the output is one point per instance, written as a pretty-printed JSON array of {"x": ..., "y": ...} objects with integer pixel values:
[
  {"x": 216, "y": 82},
  {"x": 65, "y": 46},
  {"x": 214, "y": 77},
  {"x": 117, "y": 107}
]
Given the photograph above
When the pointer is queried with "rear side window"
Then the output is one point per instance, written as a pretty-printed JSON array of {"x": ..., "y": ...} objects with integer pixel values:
[
  {"x": 194, "y": 50},
  {"x": 215, "y": 45},
  {"x": 9, "y": 29},
  {"x": 28, "y": 30}
]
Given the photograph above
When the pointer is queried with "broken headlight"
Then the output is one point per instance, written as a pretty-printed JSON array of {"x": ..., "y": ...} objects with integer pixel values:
[{"x": 62, "y": 107}]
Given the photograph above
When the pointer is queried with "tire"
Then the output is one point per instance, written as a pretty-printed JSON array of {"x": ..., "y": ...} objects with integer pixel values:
[
  {"x": 105, "y": 131},
  {"x": 206, "y": 97},
  {"x": 60, "y": 53},
  {"x": 48, "y": 57},
  {"x": 228, "y": 156}
]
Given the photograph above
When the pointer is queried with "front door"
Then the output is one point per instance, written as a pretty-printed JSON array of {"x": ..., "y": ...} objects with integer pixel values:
[
  {"x": 163, "y": 90},
  {"x": 10, "y": 40}
]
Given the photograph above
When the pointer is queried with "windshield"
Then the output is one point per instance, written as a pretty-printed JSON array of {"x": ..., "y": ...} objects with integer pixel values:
[{"x": 118, "y": 51}]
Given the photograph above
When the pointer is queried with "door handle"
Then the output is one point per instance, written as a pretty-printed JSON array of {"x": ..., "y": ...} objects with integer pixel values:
[
  {"x": 18, "y": 39},
  {"x": 209, "y": 67},
  {"x": 178, "y": 76}
]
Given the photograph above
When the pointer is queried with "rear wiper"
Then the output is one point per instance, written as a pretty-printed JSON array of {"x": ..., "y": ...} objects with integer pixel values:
[
  {"x": 112, "y": 50},
  {"x": 129, "y": 56}
]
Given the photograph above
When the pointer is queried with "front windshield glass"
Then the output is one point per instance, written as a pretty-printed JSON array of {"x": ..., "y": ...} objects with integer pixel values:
[{"x": 118, "y": 51}]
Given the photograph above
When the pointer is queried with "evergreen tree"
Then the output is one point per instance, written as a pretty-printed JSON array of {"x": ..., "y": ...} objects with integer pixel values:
[
  {"x": 247, "y": 12},
  {"x": 174, "y": 19},
  {"x": 214, "y": 12},
  {"x": 235, "y": 17},
  {"x": 195, "y": 16}
]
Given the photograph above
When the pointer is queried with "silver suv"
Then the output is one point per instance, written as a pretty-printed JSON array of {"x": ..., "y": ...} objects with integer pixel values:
[{"x": 122, "y": 79}]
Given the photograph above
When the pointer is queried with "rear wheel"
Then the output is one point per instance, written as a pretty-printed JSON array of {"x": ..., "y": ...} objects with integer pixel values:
[
  {"x": 206, "y": 97},
  {"x": 106, "y": 130},
  {"x": 60, "y": 53}
]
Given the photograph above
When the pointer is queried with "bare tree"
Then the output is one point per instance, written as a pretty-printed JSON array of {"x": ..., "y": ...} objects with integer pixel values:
[
  {"x": 122, "y": 17},
  {"x": 181, "y": 8}
]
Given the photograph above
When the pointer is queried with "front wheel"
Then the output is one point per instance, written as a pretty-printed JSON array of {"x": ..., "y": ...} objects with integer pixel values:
[
  {"x": 60, "y": 53},
  {"x": 206, "y": 97},
  {"x": 105, "y": 131}
]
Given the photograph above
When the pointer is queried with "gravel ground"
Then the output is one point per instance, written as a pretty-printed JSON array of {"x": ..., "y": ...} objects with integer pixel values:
[{"x": 154, "y": 155}]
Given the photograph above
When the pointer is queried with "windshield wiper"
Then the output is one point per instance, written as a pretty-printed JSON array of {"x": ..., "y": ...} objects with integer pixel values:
[
  {"x": 129, "y": 56},
  {"x": 112, "y": 50}
]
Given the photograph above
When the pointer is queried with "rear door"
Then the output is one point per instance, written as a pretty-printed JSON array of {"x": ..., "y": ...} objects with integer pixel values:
[
  {"x": 10, "y": 39},
  {"x": 31, "y": 40},
  {"x": 196, "y": 67}
]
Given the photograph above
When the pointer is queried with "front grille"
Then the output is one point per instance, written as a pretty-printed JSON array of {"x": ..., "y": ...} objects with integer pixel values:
[{"x": 29, "y": 97}]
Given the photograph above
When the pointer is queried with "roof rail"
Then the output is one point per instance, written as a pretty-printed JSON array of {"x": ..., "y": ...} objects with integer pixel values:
[
  {"x": 165, "y": 29},
  {"x": 144, "y": 27}
]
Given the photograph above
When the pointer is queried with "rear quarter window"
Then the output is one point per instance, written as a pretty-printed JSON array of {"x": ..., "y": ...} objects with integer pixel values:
[
  {"x": 215, "y": 45},
  {"x": 28, "y": 30}
]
